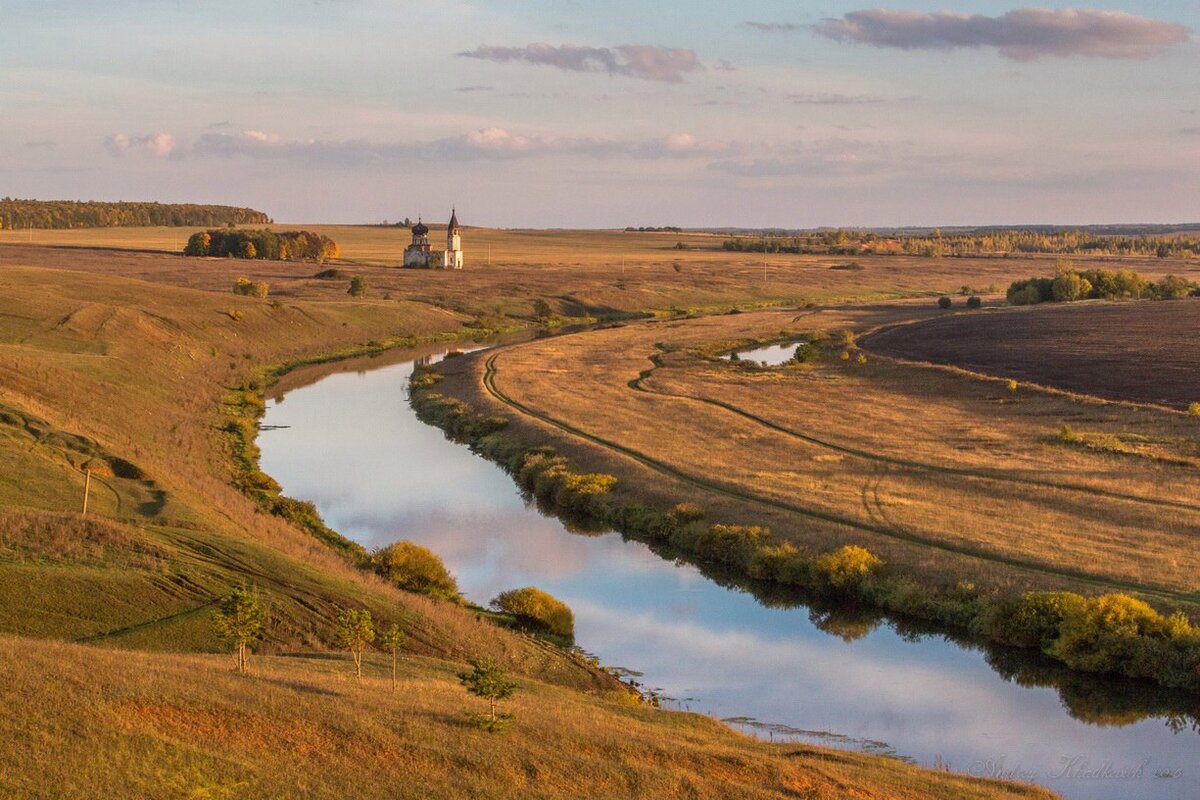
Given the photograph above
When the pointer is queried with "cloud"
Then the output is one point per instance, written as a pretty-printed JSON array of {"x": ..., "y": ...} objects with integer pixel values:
[
  {"x": 475, "y": 89},
  {"x": 775, "y": 27},
  {"x": 1189, "y": 131},
  {"x": 41, "y": 144},
  {"x": 646, "y": 61},
  {"x": 493, "y": 143},
  {"x": 158, "y": 145},
  {"x": 1022, "y": 35},
  {"x": 832, "y": 99}
]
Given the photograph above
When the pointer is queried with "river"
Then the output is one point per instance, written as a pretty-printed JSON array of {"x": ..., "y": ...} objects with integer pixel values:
[{"x": 346, "y": 438}]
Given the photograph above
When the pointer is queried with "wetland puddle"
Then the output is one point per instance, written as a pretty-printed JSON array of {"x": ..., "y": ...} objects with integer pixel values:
[
  {"x": 349, "y": 442},
  {"x": 769, "y": 356}
]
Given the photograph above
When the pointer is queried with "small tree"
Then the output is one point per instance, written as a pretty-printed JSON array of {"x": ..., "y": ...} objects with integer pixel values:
[
  {"x": 974, "y": 301},
  {"x": 945, "y": 302},
  {"x": 358, "y": 286},
  {"x": 393, "y": 641},
  {"x": 355, "y": 631},
  {"x": 239, "y": 619},
  {"x": 542, "y": 310},
  {"x": 488, "y": 680}
]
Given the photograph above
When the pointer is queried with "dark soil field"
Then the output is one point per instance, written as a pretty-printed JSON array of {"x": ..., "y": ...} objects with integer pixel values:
[{"x": 1137, "y": 351}]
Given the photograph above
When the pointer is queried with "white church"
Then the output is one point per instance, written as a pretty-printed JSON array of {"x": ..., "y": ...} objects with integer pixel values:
[{"x": 418, "y": 254}]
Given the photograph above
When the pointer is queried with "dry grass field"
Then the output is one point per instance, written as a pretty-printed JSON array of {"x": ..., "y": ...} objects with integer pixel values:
[
  {"x": 124, "y": 361},
  {"x": 1141, "y": 352},
  {"x": 949, "y": 476},
  {"x": 580, "y": 273},
  {"x": 134, "y": 725}
]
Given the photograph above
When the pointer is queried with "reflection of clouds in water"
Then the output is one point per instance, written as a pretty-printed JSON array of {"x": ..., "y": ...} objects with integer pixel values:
[
  {"x": 923, "y": 705},
  {"x": 378, "y": 474}
]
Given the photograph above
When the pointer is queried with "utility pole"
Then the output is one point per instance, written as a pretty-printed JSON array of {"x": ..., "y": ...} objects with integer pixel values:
[{"x": 87, "y": 488}]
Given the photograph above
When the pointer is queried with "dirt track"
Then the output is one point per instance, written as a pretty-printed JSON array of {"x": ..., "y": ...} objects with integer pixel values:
[{"x": 1138, "y": 351}]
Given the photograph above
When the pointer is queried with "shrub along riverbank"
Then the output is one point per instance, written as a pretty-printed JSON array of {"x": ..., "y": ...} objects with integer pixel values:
[{"x": 1113, "y": 633}]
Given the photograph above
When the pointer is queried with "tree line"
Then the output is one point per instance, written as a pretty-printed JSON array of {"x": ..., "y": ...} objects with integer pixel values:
[
  {"x": 975, "y": 244},
  {"x": 262, "y": 244},
  {"x": 18, "y": 214},
  {"x": 1097, "y": 284}
]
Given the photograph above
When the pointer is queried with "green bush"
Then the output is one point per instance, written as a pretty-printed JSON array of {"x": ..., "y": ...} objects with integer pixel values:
[
  {"x": 730, "y": 544},
  {"x": 539, "y": 608},
  {"x": 974, "y": 301},
  {"x": 416, "y": 569},
  {"x": 1033, "y": 620},
  {"x": 945, "y": 302}
]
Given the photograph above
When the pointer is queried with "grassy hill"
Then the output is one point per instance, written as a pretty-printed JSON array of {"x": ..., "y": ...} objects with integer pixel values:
[{"x": 128, "y": 364}]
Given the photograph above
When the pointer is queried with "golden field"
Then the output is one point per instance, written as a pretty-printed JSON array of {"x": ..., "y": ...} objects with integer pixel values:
[{"x": 124, "y": 361}]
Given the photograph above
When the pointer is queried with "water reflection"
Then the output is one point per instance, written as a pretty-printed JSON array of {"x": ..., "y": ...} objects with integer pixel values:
[
  {"x": 715, "y": 643},
  {"x": 769, "y": 356}
]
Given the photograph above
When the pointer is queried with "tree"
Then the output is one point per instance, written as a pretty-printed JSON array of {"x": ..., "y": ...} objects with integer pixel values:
[
  {"x": 540, "y": 608},
  {"x": 355, "y": 631},
  {"x": 415, "y": 569},
  {"x": 488, "y": 680},
  {"x": 239, "y": 619},
  {"x": 393, "y": 641},
  {"x": 945, "y": 302},
  {"x": 1069, "y": 287},
  {"x": 358, "y": 286},
  {"x": 974, "y": 301},
  {"x": 542, "y": 310}
]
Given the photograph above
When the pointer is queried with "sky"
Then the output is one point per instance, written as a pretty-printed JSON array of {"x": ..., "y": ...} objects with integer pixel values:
[{"x": 607, "y": 113}]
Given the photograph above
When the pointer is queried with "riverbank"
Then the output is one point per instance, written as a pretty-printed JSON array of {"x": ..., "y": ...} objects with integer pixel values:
[
  {"x": 1014, "y": 602},
  {"x": 126, "y": 377}
]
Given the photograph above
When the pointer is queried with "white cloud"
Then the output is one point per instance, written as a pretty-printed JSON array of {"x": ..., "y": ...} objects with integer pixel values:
[{"x": 157, "y": 145}]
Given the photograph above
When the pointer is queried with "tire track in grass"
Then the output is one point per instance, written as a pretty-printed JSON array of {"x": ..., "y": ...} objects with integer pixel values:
[
  {"x": 489, "y": 384},
  {"x": 638, "y": 384}
]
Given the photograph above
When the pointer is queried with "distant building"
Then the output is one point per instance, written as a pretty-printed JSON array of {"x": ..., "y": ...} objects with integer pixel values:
[{"x": 418, "y": 254}]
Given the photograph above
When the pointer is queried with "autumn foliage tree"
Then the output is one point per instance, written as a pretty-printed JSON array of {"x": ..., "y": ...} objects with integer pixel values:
[{"x": 541, "y": 609}]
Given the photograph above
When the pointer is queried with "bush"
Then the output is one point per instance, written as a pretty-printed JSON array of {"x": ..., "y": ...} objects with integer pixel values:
[
  {"x": 358, "y": 286},
  {"x": 245, "y": 286},
  {"x": 1033, "y": 620},
  {"x": 806, "y": 353},
  {"x": 534, "y": 606},
  {"x": 845, "y": 569},
  {"x": 734, "y": 545},
  {"x": 974, "y": 301},
  {"x": 1105, "y": 634},
  {"x": 1069, "y": 287},
  {"x": 415, "y": 569},
  {"x": 945, "y": 302},
  {"x": 1194, "y": 409},
  {"x": 684, "y": 513}
]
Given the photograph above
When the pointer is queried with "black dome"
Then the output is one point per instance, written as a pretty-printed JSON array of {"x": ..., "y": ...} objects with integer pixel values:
[{"x": 420, "y": 229}]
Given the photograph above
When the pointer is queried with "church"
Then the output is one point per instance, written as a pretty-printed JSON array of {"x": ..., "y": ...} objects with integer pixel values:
[{"x": 418, "y": 254}]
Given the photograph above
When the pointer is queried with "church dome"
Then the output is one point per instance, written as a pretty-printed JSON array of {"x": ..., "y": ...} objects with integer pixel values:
[{"x": 420, "y": 229}]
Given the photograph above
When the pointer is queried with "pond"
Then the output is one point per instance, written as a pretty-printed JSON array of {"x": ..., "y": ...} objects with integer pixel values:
[
  {"x": 345, "y": 437},
  {"x": 771, "y": 355}
]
